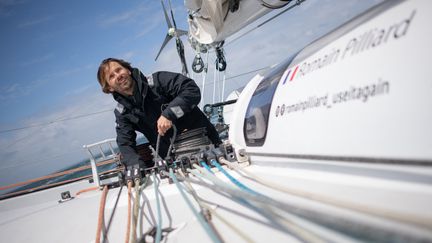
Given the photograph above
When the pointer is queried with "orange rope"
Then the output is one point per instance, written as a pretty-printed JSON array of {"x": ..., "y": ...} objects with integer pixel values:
[
  {"x": 86, "y": 190},
  {"x": 57, "y": 174},
  {"x": 129, "y": 211},
  {"x": 101, "y": 214}
]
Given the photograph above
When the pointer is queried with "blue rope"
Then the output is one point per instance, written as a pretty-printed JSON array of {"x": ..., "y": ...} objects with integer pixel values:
[
  {"x": 159, "y": 225},
  {"x": 205, "y": 165},
  {"x": 197, "y": 214},
  {"x": 232, "y": 179},
  {"x": 247, "y": 204}
]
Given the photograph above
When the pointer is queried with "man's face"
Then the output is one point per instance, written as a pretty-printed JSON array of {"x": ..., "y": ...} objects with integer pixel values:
[{"x": 119, "y": 78}]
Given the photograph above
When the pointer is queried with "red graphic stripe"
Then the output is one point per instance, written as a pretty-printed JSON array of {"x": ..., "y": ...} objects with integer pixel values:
[{"x": 294, "y": 73}]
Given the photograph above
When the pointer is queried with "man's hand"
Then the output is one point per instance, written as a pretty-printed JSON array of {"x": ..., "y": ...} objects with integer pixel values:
[{"x": 163, "y": 125}]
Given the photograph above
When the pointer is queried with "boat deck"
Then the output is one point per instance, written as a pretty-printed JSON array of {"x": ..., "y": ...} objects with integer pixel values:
[{"x": 322, "y": 201}]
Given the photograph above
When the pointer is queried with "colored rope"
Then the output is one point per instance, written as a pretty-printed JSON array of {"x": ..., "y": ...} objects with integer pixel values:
[
  {"x": 203, "y": 164},
  {"x": 200, "y": 218},
  {"x": 200, "y": 202},
  {"x": 232, "y": 179},
  {"x": 159, "y": 211},
  {"x": 129, "y": 185},
  {"x": 101, "y": 214}
]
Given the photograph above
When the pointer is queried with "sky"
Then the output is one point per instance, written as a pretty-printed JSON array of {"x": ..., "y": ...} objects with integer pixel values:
[{"x": 50, "y": 101}]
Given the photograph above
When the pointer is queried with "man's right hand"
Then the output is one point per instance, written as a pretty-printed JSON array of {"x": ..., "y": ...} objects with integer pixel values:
[{"x": 163, "y": 125}]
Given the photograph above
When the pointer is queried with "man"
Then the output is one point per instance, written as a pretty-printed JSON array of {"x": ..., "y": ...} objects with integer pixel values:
[{"x": 151, "y": 105}]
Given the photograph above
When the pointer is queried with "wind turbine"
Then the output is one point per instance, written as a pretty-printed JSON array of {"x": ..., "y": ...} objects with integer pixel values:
[{"x": 173, "y": 32}]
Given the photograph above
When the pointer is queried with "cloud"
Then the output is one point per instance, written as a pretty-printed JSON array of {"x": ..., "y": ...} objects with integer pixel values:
[
  {"x": 7, "y": 5},
  {"x": 267, "y": 45},
  {"x": 127, "y": 55},
  {"x": 18, "y": 89},
  {"x": 81, "y": 90},
  {"x": 130, "y": 16},
  {"x": 59, "y": 144},
  {"x": 38, "y": 60},
  {"x": 154, "y": 21},
  {"x": 4, "y": 3},
  {"x": 68, "y": 72},
  {"x": 33, "y": 22}
]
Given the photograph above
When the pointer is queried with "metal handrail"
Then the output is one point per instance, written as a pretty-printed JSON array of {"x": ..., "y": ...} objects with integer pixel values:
[{"x": 94, "y": 158}]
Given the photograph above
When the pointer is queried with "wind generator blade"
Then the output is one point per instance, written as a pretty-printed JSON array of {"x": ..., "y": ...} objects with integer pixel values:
[
  {"x": 166, "y": 15},
  {"x": 172, "y": 14},
  {"x": 181, "y": 32},
  {"x": 167, "y": 39},
  {"x": 180, "y": 51}
]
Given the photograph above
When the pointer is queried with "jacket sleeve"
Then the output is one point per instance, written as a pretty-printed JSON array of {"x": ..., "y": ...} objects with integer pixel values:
[
  {"x": 183, "y": 92},
  {"x": 126, "y": 140}
]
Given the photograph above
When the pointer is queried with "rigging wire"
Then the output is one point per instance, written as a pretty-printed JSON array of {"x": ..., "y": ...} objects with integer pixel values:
[
  {"x": 102, "y": 111},
  {"x": 245, "y": 73},
  {"x": 223, "y": 85},
  {"x": 150, "y": 217},
  {"x": 23, "y": 162},
  {"x": 204, "y": 77},
  {"x": 105, "y": 239},
  {"x": 200, "y": 218},
  {"x": 214, "y": 86},
  {"x": 55, "y": 121},
  {"x": 298, "y": 2},
  {"x": 30, "y": 134}
]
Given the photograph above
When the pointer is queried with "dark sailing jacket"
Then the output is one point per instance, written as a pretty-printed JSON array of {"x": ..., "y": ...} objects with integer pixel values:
[{"x": 163, "y": 93}]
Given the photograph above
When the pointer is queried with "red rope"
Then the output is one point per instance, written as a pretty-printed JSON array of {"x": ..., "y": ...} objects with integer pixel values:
[
  {"x": 101, "y": 214},
  {"x": 86, "y": 190},
  {"x": 129, "y": 211}
]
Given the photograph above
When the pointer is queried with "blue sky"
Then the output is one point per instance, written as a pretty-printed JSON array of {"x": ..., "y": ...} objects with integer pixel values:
[{"x": 50, "y": 51}]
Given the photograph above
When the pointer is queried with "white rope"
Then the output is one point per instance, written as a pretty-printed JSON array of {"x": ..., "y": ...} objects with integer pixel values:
[
  {"x": 332, "y": 201},
  {"x": 299, "y": 231},
  {"x": 192, "y": 191}
]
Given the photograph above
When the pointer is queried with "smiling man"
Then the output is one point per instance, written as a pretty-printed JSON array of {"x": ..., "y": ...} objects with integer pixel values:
[{"x": 151, "y": 105}]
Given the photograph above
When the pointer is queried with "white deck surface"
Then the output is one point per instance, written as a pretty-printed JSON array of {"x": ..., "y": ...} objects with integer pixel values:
[{"x": 406, "y": 191}]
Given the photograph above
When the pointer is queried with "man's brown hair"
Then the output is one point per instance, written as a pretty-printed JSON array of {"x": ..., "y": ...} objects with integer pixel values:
[{"x": 102, "y": 69}]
